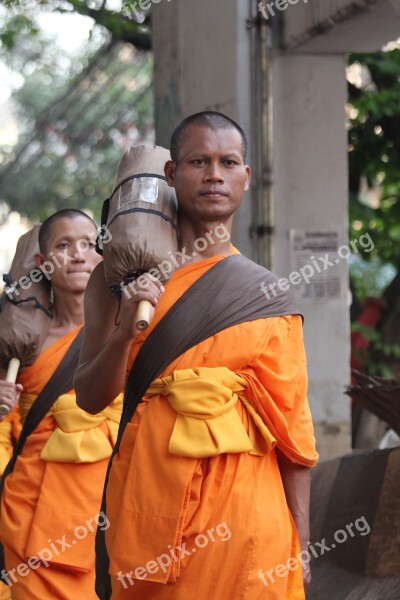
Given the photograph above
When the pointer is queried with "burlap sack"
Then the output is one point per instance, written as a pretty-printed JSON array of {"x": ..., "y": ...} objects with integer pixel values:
[
  {"x": 25, "y": 315},
  {"x": 141, "y": 224}
]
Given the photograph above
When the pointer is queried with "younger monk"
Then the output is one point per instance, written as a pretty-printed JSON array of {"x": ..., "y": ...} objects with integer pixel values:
[
  {"x": 50, "y": 504},
  {"x": 209, "y": 489}
]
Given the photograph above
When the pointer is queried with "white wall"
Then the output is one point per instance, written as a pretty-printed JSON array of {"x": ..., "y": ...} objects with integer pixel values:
[{"x": 311, "y": 193}]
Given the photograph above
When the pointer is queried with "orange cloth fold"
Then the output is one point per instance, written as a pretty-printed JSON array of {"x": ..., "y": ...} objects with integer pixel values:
[
  {"x": 5, "y": 592},
  {"x": 179, "y": 498},
  {"x": 50, "y": 508},
  {"x": 77, "y": 436},
  {"x": 207, "y": 423},
  {"x": 10, "y": 430}
]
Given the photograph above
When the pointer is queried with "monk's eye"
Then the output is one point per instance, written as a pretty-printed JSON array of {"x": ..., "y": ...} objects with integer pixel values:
[{"x": 63, "y": 245}]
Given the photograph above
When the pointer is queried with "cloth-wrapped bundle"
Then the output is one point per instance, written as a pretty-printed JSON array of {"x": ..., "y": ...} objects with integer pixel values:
[
  {"x": 140, "y": 218},
  {"x": 25, "y": 315}
]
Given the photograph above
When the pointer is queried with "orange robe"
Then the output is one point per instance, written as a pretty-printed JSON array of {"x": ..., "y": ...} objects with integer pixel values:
[
  {"x": 51, "y": 500},
  {"x": 5, "y": 593},
  {"x": 10, "y": 430},
  {"x": 204, "y": 527}
]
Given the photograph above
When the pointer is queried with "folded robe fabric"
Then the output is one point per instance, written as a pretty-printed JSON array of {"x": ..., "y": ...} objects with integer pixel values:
[
  {"x": 177, "y": 498},
  {"x": 46, "y": 500},
  {"x": 10, "y": 430},
  {"x": 207, "y": 423},
  {"x": 77, "y": 437}
]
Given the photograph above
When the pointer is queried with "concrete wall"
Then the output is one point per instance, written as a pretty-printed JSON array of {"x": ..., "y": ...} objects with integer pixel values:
[
  {"x": 340, "y": 25},
  {"x": 311, "y": 194},
  {"x": 199, "y": 67}
]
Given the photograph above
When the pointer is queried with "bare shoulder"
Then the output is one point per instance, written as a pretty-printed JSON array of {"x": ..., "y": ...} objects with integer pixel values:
[{"x": 100, "y": 313}]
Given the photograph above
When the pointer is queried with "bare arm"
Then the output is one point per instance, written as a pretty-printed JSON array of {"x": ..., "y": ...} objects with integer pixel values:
[
  {"x": 106, "y": 346},
  {"x": 296, "y": 482}
]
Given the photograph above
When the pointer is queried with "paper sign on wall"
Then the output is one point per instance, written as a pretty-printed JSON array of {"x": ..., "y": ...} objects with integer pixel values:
[{"x": 314, "y": 255}]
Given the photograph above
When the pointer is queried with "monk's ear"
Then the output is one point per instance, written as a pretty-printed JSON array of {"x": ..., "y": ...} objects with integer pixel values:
[
  {"x": 169, "y": 171},
  {"x": 247, "y": 182},
  {"x": 39, "y": 259}
]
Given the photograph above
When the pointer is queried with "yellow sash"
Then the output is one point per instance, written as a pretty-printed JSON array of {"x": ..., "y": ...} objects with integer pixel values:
[
  {"x": 77, "y": 437},
  {"x": 207, "y": 423}
]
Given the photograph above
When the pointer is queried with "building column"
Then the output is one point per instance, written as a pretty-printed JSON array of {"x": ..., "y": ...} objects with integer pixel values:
[{"x": 311, "y": 196}]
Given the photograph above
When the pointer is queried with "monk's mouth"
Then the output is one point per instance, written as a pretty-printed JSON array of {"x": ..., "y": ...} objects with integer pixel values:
[{"x": 214, "y": 195}]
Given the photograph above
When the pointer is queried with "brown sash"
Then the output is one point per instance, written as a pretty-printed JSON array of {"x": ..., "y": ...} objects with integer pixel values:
[{"x": 226, "y": 295}]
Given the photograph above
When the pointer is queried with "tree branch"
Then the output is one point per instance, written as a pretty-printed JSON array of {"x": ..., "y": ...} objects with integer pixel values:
[{"x": 120, "y": 27}]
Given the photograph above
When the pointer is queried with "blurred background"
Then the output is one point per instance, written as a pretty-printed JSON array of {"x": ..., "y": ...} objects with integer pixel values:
[{"x": 316, "y": 85}]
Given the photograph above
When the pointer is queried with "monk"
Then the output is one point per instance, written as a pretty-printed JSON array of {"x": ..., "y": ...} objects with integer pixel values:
[
  {"x": 50, "y": 503},
  {"x": 208, "y": 494}
]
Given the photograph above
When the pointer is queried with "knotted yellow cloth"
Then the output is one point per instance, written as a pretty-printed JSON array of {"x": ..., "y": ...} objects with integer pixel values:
[
  {"x": 208, "y": 423},
  {"x": 77, "y": 437}
]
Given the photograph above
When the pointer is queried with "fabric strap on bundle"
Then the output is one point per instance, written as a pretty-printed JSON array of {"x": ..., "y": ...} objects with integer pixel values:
[{"x": 140, "y": 218}]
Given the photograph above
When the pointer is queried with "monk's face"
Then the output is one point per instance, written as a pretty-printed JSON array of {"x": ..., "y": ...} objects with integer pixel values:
[
  {"x": 71, "y": 250},
  {"x": 209, "y": 176}
]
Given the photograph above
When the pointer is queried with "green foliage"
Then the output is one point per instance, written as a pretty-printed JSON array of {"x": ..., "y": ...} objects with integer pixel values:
[
  {"x": 120, "y": 24},
  {"x": 374, "y": 154},
  {"x": 370, "y": 278},
  {"x": 379, "y": 354},
  {"x": 374, "y": 162},
  {"x": 17, "y": 26},
  {"x": 76, "y": 113}
]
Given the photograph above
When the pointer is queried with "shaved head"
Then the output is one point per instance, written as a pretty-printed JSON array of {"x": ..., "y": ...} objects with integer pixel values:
[
  {"x": 46, "y": 227},
  {"x": 211, "y": 119}
]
